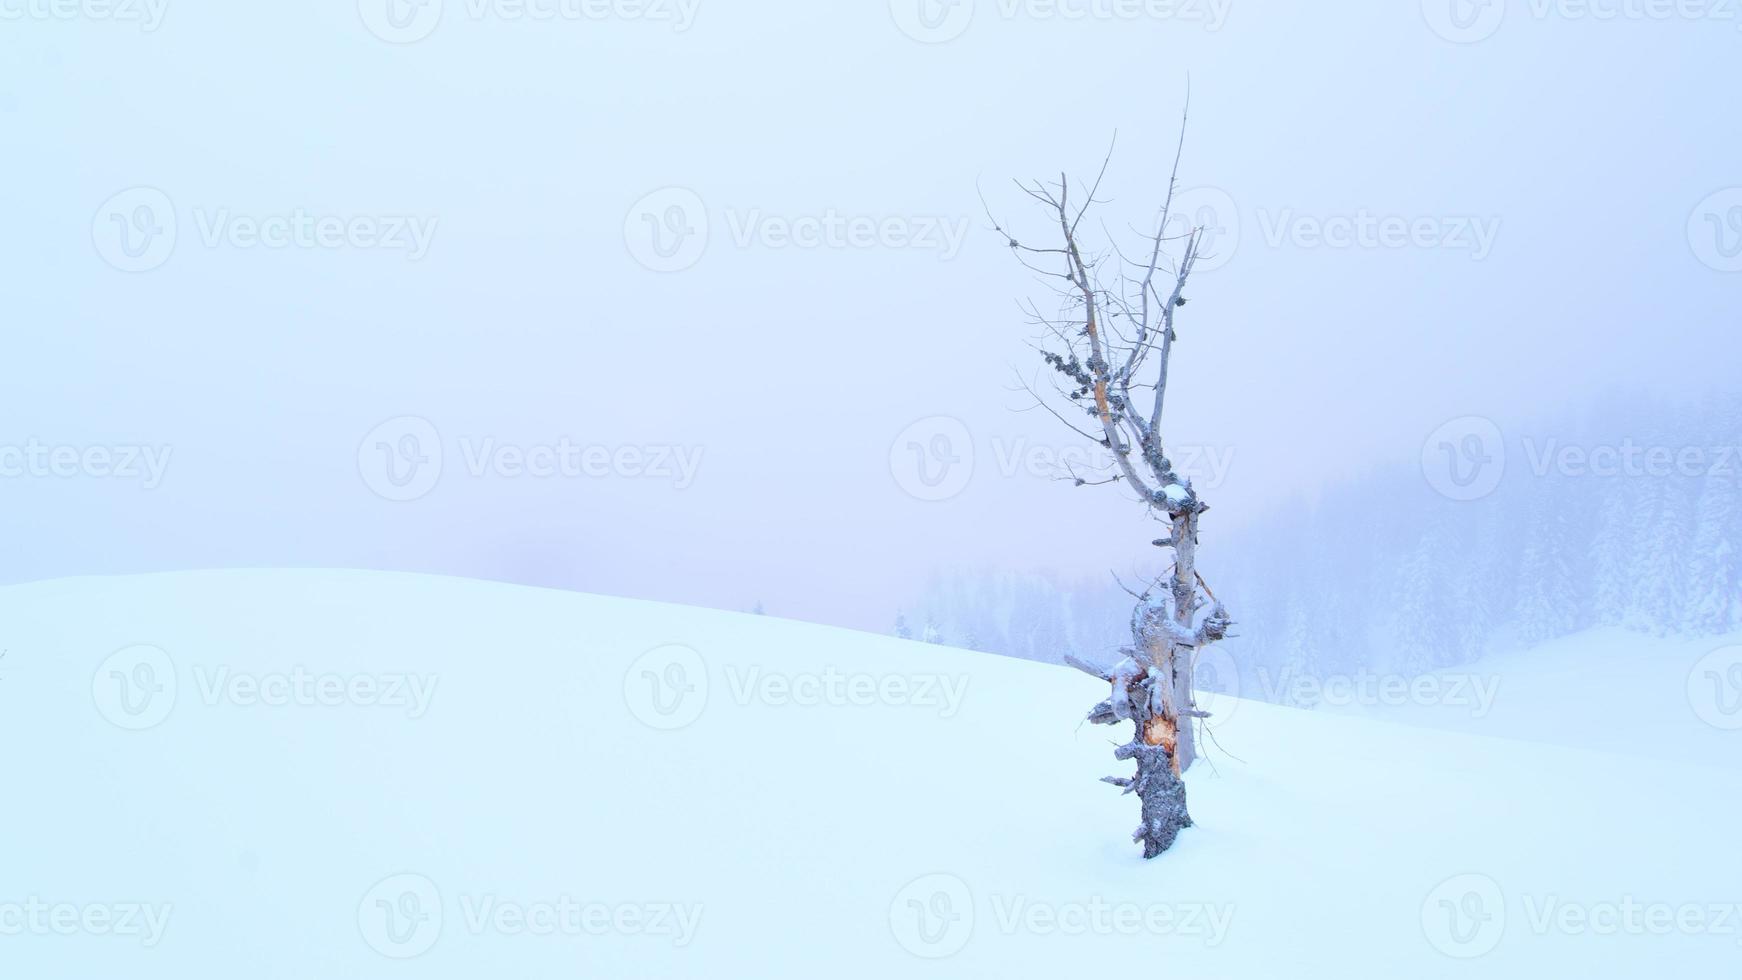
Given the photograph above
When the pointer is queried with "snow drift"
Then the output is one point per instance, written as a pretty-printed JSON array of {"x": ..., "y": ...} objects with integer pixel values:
[{"x": 311, "y": 773}]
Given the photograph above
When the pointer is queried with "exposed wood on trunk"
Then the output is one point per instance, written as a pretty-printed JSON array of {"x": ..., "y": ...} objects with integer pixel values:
[{"x": 1163, "y": 732}]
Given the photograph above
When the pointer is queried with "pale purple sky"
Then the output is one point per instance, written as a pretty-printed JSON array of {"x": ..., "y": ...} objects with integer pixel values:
[{"x": 464, "y": 234}]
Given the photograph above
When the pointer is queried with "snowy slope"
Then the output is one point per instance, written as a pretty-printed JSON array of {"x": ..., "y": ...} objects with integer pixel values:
[
  {"x": 462, "y": 779},
  {"x": 1614, "y": 690}
]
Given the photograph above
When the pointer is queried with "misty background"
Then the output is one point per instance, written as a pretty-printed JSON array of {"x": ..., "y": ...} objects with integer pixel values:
[{"x": 699, "y": 303}]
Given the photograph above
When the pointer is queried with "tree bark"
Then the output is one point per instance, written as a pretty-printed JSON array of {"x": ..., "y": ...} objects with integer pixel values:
[
  {"x": 1185, "y": 586},
  {"x": 1154, "y": 746},
  {"x": 1164, "y": 800}
]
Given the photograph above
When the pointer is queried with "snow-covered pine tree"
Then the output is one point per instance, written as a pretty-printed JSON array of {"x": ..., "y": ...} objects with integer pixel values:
[
  {"x": 1420, "y": 627},
  {"x": 1046, "y": 635},
  {"x": 1714, "y": 589},
  {"x": 1548, "y": 600},
  {"x": 1611, "y": 556},
  {"x": 1661, "y": 598},
  {"x": 903, "y": 630},
  {"x": 1300, "y": 654},
  {"x": 1474, "y": 595}
]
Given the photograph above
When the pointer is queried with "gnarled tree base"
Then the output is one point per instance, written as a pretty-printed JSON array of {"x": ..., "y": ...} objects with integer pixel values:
[
  {"x": 1164, "y": 799},
  {"x": 1164, "y": 803},
  {"x": 1154, "y": 747}
]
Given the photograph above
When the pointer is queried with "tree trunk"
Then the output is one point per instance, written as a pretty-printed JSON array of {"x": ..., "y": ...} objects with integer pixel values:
[
  {"x": 1164, "y": 799},
  {"x": 1162, "y": 702},
  {"x": 1179, "y": 661}
]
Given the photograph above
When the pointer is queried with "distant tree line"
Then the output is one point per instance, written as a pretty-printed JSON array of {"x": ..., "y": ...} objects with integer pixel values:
[{"x": 1386, "y": 574}]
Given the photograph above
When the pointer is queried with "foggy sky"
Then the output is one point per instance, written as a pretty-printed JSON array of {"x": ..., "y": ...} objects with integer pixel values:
[{"x": 1565, "y": 186}]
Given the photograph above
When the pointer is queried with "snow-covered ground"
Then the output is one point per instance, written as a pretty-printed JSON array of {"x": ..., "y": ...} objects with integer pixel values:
[
  {"x": 1614, "y": 690},
  {"x": 341, "y": 774}
]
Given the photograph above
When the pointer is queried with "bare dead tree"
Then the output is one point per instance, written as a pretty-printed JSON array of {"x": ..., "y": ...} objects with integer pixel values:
[{"x": 1108, "y": 350}]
